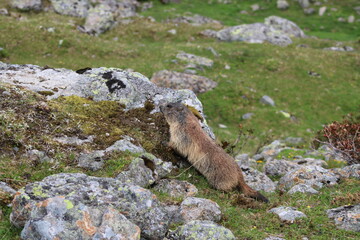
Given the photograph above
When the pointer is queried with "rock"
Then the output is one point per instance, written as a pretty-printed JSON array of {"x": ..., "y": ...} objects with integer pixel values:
[
  {"x": 5, "y": 188},
  {"x": 346, "y": 217},
  {"x": 340, "y": 49},
  {"x": 247, "y": 116},
  {"x": 209, "y": 33},
  {"x": 172, "y": 31},
  {"x": 287, "y": 214},
  {"x": 348, "y": 171},
  {"x": 322, "y": 11},
  {"x": 222, "y": 126},
  {"x": 146, "y": 6},
  {"x": 271, "y": 150},
  {"x": 170, "y": 1},
  {"x": 258, "y": 180},
  {"x": 124, "y": 145},
  {"x": 82, "y": 222},
  {"x": 212, "y": 50},
  {"x": 274, "y": 238},
  {"x": 122, "y": 8},
  {"x": 39, "y": 156},
  {"x": 195, "y": 20},
  {"x": 100, "y": 84},
  {"x": 75, "y": 8},
  {"x": 313, "y": 176},
  {"x": 284, "y": 26},
  {"x": 309, "y": 11},
  {"x": 341, "y": 19},
  {"x": 193, "y": 208},
  {"x": 4, "y": 12},
  {"x": 282, "y": 4},
  {"x": 27, "y": 5},
  {"x": 304, "y": 3},
  {"x": 177, "y": 80},
  {"x": 242, "y": 159},
  {"x": 99, "y": 19},
  {"x": 253, "y": 33},
  {"x": 176, "y": 188},
  {"x": 274, "y": 167},
  {"x": 145, "y": 170},
  {"x": 255, "y": 7},
  {"x": 74, "y": 140},
  {"x": 139, "y": 205},
  {"x": 351, "y": 19},
  {"x": 191, "y": 58},
  {"x": 92, "y": 161},
  {"x": 357, "y": 9},
  {"x": 267, "y": 100},
  {"x": 302, "y": 188},
  {"x": 201, "y": 230}
]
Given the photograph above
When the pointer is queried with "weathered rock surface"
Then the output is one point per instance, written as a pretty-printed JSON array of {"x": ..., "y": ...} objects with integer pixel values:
[
  {"x": 139, "y": 205},
  {"x": 258, "y": 180},
  {"x": 27, "y": 5},
  {"x": 129, "y": 88},
  {"x": 348, "y": 171},
  {"x": 125, "y": 145},
  {"x": 99, "y": 19},
  {"x": 282, "y": 4},
  {"x": 346, "y": 217},
  {"x": 267, "y": 100},
  {"x": 92, "y": 161},
  {"x": 82, "y": 222},
  {"x": 302, "y": 188},
  {"x": 39, "y": 156},
  {"x": 75, "y": 8},
  {"x": 340, "y": 49},
  {"x": 253, "y": 33},
  {"x": 287, "y": 214},
  {"x": 176, "y": 188},
  {"x": 145, "y": 170},
  {"x": 275, "y": 167},
  {"x": 275, "y": 30},
  {"x": 201, "y": 230},
  {"x": 193, "y": 208},
  {"x": 313, "y": 176},
  {"x": 177, "y": 80},
  {"x": 191, "y": 58}
]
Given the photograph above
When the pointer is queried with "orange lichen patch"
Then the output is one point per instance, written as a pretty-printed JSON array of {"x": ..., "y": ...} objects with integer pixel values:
[
  {"x": 356, "y": 216},
  {"x": 86, "y": 224},
  {"x": 110, "y": 214}
]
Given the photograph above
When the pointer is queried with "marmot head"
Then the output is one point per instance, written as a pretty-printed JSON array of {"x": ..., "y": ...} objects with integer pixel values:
[{"x": 174, "y": 112}]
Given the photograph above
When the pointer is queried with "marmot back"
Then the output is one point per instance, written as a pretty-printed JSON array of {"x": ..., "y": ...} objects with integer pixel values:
[{"x": 188, "y": 138}]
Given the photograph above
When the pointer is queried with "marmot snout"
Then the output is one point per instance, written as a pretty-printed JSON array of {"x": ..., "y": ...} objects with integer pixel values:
[{"x": 188, "y": 138}]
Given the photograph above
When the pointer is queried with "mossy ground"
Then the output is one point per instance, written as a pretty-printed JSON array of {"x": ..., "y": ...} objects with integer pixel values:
[{"x": 147, "y": 47}]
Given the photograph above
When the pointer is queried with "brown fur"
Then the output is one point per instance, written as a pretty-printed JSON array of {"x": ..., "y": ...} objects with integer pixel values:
[{"x": 188, "y": 138}]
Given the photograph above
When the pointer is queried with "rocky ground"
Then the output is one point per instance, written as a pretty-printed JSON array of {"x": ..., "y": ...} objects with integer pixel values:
[{"x": 84, "y": 155}]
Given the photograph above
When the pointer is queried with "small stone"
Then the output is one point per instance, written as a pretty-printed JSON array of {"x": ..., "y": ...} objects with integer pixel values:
[
  {"x": 247, "y": 116},
  {"x": 193, "y": 208},
  {"x": 267, "y": 100},
  {"x": 351, "y": 19},
  {"x": 172, "y": 31},
  {"x": 4, "y": 12},
  {"x": 92, "y": 161},
  {"x": 124, "y": 145},
  {"x": 5, "y": 93},
  {"x": 176, "y": 188},
  {"x": 74, "y": 140},
  {"x": 304, "y": 3},
  {"x": 255, "y": 7},
  {"x": 212, "y": 50},
  {"x": 27, "y": 5},
  {"x": 341, "y": 19},
  {"x": 274, "y": 238},
  {"x": 227, "y": 67},
  {"x": 222, "y": 126},
  {"x": 287, "y": 214},
  {"x": 282, "y": 4},
  {"x": 258, "y": 180},
  {"x": 191, "y": 58},
  {"x": 302, "y": 188},
  {"x": 39, "y": 156},
  {"x": 244, "y": 12},
  {"x": 209, "y": 33},
  {"x": 322, "y": 11}
]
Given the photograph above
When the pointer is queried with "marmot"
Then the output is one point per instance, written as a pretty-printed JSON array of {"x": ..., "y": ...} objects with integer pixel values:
[{"x": 188, "y": 139}]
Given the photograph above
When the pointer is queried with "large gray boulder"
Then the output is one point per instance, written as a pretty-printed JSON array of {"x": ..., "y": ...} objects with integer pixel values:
[
  {"x": 178, "y": 80},
  {"x": 27, "y": 5},
  {"x": 47, "y": 221},
  {"x": 80, "y": 191},
  {"x": 201, "y": 230},
  {"x": 346, "y": 217},
  {"x": 99, "y": 19},
  {"x": 253, "y": 33},
  {"x": 75, "y": 8},
  {"x": 313, "y": 176},
  {"x": 131, "y": 89},
  {"x": 284, "y": 26}
]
